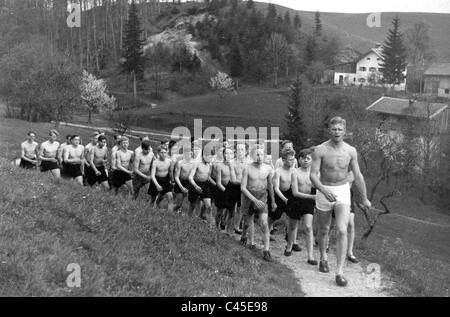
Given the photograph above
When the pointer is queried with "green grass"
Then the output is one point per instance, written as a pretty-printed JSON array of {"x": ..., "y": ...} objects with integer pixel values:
[{"x": 123, "y": 247}]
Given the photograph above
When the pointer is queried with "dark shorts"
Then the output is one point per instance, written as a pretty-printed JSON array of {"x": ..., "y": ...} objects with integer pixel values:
[
  {"x": 249, "y": 208},
  {"x": 48, "y": 166},
  {"x": 120, "y": 178},
  {"x": 223, "y": 198},
  {"x": 139, "y": 182},
  {"x": 26, "y": 164},
  {"x": 164, "y": 182},
  {"x": 72, "y": 170},
  {"x": 281, "y": 206},
  {"x": 206, "y": 191},
  {"x": 92, "y": 178},
  {"x": 235, "y": 195},
  {"x": 185, "y": 183},
  {"x": 214, "y": 191},
  {"x": 298, "y": 207}
]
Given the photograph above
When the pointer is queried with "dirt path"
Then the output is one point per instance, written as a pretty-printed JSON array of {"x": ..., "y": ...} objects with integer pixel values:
[{"x": 316, "y": 284}]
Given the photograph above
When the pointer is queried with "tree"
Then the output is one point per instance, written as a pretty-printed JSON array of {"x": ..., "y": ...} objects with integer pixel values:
[
  {"x": 287, "y": 18},
  {"x": 157, "y": 58},
  {"x": 393, "y": 56},
  {"x": 222, "y": 84},
  {"x": 297, "y": 21},
  {"x": 294, "y": 117},
  {"x": 94, "y": 96},
  {"x": 250, "y": 4},
  {"x": 310, "y": 50},
  {"x": 276, "y": 49},
  {"x": 235, "y": 60},
  {"x": 133, "y": 47},
  {"x": 317, "y": 25}
]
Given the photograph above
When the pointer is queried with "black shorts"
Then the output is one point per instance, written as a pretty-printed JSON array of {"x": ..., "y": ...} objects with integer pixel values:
[
  {"x": 185, "y": 183},
  {"x": 235, "y": 195},
  {"x": 164, "y": 182},
  {"x": 72, "y": 170},
  {"x": 92, "y": 178},
  {"x": 281, "y": 206},
  {"x": 223, "y": 198},
  {"x": 206, "y": 191},
  {"x": 139, "y": 182},
  {"x": 298, "y": 207},
  {"x": 120, "y": 178},
  {"x": 214, "y": 191},
  {"x": 27, "y": 165},
  {"x": 49, "y": 166}
]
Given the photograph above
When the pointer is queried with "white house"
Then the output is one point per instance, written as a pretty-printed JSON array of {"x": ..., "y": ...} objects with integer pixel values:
[{"x": 366, "y": 72}]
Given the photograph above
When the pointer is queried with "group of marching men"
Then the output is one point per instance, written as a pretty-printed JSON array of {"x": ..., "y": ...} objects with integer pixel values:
[{"x": 232, "y": 186}]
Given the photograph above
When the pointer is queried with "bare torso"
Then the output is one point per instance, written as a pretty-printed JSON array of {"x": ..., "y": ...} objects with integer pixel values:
[
  {"x": 257, "y": 176},
  {"x": 284, "y": 178},
  {"x": 202, "y": 172},
  {"x": 29, "y": 149},
  {"x": 334, "y": 163},
  {"x": 125, "y": 158},
  {"x": 162, "y": 167},
  {"x": 185, "y": 168}
]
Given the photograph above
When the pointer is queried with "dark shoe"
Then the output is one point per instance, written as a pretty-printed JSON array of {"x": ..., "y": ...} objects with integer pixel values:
[
  {"x": 328, "y": 249},
  {"x": 273, "y": 230},
  {"x": 286, "y": 237},
  {"x": 340, "y": 280},
  {"x": 222, "y": 226},
  {"x": 267, "y": 256},
  {"x": 352, "y": 259},
  {"x": 243, "y": 240},
  {"x": 287, "y": 253},
  {"x": 272, "y": 239},
  {"x": 323, "y": 267},
  {"x": 252, "y": 247},
  {"x": 296, "y": 247},
  {"x": 312, "y": 262},
  {"x": 236, "y": 231}
]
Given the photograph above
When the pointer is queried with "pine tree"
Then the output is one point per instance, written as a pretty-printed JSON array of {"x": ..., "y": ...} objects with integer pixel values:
[
  {"x": 317, "y": 25},
  {"x": 250, "y": 4},
  {"x": 235, "y": 60},
  {"x": 295, "y": 125},
  {"x": 133, "y": 44},
  {"x": 271, "y": 16},
  {"x": 311, "y": 50},
  {"x": 287, "y": 18},
  {"x": 297, "y": 21},
  {"x": 393, "y": 56}
]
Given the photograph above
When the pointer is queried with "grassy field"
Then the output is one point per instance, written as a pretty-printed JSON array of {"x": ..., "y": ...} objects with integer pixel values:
[{"x": 123, "y": 247}]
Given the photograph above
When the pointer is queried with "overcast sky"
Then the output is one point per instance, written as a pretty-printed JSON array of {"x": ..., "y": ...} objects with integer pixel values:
[{"x": 363, "y": 6}]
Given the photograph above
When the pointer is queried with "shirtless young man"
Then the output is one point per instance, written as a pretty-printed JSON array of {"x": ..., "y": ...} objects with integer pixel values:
[
  {"x": 73, "y": 159},
  {"x": 333, "y": 159},
  {"x": 256, "y": 182},
  {"x": 88, "y": 171},
  {"x": 142, "y": 167},
  {"x": 286, "y": 144},
  {"x": 48, "y": 154},
  {"x": 200, "y": 180},
  {"x": 181, "y": 174},
  {"x": 29, "y": 150},
  {"x": 224, "y": 200},
  {"x": 97, "y": 158},
  {"x": 240, "y": 163},
  {"x": 302, "y": 204},
  {"x": 60, "y": 154},
  {"x": 282, "y": 191},
  {"x": 124, "y": 166},
  {"x": 160, "y": 185},
  {"x": 138, "y": 150}
]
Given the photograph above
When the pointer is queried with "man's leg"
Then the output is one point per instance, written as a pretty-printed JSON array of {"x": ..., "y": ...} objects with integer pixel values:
[
  {"x": 79, "y": 180},
  {"x": 129, "y": 184},
  {"x": 308, "y": 220},
  {"x": 208, "y": 211},
  {"x": 292, "y": 228},
  {"x": 105, "y": 185},
  {"x": 265, "y": 226},
  {"x": 351, "y": 234},
  {"x": 179, "y": 197},
  {"x": 170, "y": 204},
  {"x": 218, "y": 217},
  {"x": 323, "y": 223},
  {"x": 237, "y": 219},
  {"x": 56, "y": 173},
  {"x": 342, "y": 213},
  {"x": 251, "y": 228}
]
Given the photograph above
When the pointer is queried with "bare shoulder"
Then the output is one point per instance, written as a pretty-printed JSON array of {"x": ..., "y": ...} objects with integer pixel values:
[
  {"x": 320, "y": 149},
  {"x": 350, "y": 149}
]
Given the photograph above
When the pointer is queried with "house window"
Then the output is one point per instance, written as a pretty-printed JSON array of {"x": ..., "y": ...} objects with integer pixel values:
[
  {"x": 447, "y": 91},
  {"x": 362, "y": 69},
  {"x": 368, "y": 58},
  {"x": 354, "y": 78},
  {"x": 373, "y": 69},
  {"x": 362, "y": 80}
]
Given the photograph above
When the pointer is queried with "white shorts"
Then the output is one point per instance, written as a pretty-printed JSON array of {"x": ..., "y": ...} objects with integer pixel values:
[{"x": 342, "y": 193}]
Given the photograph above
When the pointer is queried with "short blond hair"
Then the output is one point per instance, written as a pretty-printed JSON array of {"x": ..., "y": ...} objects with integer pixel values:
[{"x": 337, "y": 120}]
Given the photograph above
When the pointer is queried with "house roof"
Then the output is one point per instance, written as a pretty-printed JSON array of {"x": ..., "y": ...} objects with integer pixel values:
[
  {"x": 376, "y": 50},
  {"x": 438, "y": 69},
  {"x": 401, "y": 107}
]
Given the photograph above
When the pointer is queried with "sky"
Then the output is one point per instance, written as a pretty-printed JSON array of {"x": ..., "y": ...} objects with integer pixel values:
[{"x": 366, "y": 6}]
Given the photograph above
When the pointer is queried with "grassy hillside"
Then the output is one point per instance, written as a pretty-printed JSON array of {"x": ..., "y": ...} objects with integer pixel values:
[
  {"x": 123, "y": 247},
  {"x": 352, "y": 28}
]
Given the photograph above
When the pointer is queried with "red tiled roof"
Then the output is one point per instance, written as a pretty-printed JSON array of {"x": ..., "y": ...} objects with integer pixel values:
[{"x": 401, "y": 107}]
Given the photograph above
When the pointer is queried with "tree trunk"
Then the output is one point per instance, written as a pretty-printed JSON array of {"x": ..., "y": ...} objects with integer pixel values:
[
  {"x": 89, "y": 117},
  {"x": 134, "y": 88},
  {"x": 93, "y": 10}
]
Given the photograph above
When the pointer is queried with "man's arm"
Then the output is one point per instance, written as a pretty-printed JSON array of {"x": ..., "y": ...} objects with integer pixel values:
[
  {"x": 41, "y": 153},
  {"x": 176, "y": 174},
  {"x": 90, "y": 160},
  {"x": 23, "y": 157},
  {"x": 191, "y": 177},
  {"x": 219, "y": 178},
  {"x": 171, "y": 169},
  {"x": 153, "y": 174},
  {"x": 244, "y": 189},
  {"x": 82, "y": 159},
  {"x": 359, "y": 179},
  {"x": 276, "y": 185},
  {"x": 314, "y": 175},
  {"x": 270, "y": 188}
]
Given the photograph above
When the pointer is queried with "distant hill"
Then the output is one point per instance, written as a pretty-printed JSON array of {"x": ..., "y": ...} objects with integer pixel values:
[{"x": 352, "y": 28}]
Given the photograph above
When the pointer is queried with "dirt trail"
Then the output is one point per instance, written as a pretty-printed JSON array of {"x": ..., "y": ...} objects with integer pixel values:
[{"x": 316, "y": 284}]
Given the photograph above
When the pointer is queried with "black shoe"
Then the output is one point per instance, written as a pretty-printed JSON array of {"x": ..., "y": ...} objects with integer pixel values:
[
  {"x": 328, "y": 249},
  {"x": 323, "y": 267},
  {"x": 267, "y": 256},
  {"x": 252, "y": 247},
  {"x": 243, "y": 240},
  {"x": 272, "y": 239},
  {"x": 296, "y": 247},
  {"x": 312, "y": 262},
  {"x": 222, "y": 226},
  {"x": 287, "y": 253},
  {"x": 286, "y": 237},
  {"x": 236, "y": 231},
  {"x": 352, "y": 259},
  {"x": 273, "y": 230},
  {"x": 340, "y": 280}
]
